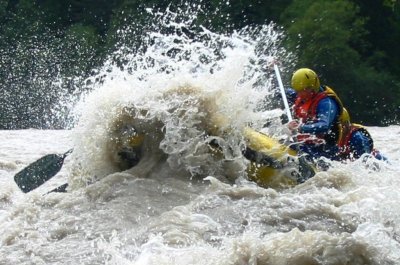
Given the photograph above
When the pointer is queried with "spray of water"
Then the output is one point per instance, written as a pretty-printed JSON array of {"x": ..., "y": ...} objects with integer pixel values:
[
  {"x": 182, "y": 85},
  {"x": 347, "y": 215},
  {"x": 41, "y": 77}
]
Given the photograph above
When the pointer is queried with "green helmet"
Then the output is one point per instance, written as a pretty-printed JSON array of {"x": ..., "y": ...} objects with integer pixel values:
[{"x": 305, "y": 78}]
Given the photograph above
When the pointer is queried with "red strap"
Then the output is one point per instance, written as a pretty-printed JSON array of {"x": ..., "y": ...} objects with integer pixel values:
[{"x": 309, "y": 139}]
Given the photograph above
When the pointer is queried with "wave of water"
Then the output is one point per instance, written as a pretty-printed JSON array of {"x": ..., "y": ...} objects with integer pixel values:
[
  {"x": 177, "y": 206},
  {"x": 175, "y": 89},
  {"x": 347, "y": 215}
]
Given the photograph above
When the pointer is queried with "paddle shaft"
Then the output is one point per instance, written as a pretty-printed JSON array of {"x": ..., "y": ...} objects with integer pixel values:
[
  {"x": 282, "y": 89},
  {"x": 306, "y": 171}
]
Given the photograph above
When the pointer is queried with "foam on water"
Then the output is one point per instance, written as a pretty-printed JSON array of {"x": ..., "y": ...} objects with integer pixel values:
[
  {"x": 175, "y": 207},
  {"x": 176, "y": 90},
  {"x": 348, "y": 214}
]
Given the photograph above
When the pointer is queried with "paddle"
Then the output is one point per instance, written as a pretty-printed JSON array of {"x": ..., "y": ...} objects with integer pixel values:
[
  {"x": 62, "y": 188},
  {"x": 306, "y": 170},
  {"x": 283, "y": 93},
  {"x": 40, "y": 171}
]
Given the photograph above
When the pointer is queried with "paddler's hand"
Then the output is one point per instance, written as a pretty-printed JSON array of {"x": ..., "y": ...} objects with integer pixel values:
[
  {"x": 271, "y": 61},
  {"x": 293, "y": 125}
]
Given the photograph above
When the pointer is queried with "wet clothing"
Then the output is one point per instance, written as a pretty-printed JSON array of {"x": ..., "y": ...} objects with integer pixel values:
[
  {"x": 318, "y": 115},
  {"x": 321, "y": 118},
  {"x": 359, "y": 144},
  {"x": 356, "y": 142}
]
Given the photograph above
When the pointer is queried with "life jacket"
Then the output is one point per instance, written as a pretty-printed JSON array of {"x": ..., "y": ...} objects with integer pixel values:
[
  {"x": 344, "y": 143},
  {"x": 307, "y": 112}
]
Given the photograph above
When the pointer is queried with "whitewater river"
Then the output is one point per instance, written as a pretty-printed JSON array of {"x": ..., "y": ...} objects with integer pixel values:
[
  {"x": 180, "y": 205},
  {"x": 348, "y": 215}
]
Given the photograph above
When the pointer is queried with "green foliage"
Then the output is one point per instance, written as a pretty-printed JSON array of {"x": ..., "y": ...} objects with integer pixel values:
[
  {"x": 3, "y": 9},
  {"x": 390, "y": 3},
  {"x": 377, "y": 99},
  {"x": 331, "y": 37},
  {"x": 352, "y": 44},
  {"x": 33, "y": 58},
  {"x": 323, "y": 33},
  {"x": 225, "y": 16},
  {"x": 81, "y": 42},
  {"x": 383, "y": 23}
]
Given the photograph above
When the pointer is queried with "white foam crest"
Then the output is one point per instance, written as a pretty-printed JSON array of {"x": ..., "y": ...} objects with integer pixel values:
[{"x": 179, "y": 83}]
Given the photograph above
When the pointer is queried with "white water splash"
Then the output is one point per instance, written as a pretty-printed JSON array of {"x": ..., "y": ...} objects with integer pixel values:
[
  {"x": 156, "y": 214},
  {"x": 180, "y": 82}
]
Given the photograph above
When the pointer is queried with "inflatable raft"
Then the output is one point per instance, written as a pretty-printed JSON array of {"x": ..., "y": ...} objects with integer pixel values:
[{"x": 270, "y": 163}]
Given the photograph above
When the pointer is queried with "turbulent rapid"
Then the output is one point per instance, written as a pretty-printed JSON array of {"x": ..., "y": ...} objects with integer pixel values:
[
  {"x": 347, "y": 215},
  {"x": 180, "y": 204}
]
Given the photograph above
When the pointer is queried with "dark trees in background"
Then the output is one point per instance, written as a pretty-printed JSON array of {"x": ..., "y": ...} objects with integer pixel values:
[{"x": 352, "y": 44}]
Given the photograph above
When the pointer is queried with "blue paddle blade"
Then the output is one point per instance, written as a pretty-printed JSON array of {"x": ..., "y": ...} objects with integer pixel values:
[{"x": 39, "y": 171}]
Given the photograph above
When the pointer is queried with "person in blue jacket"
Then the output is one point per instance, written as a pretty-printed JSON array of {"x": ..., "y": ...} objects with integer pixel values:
[
  {"x": 356, "y": 140},
  {"x": 319, "y": 122}
]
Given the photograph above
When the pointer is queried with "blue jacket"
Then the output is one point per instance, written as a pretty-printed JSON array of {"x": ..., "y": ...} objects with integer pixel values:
[
  {"x": 327, "y": 112},
  {"x": 363, "y": 144},
  {"x": 360, "y": 144}
]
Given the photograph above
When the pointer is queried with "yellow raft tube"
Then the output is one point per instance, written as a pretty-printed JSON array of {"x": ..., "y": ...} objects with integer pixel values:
[{"x": 272, "y": 164}]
